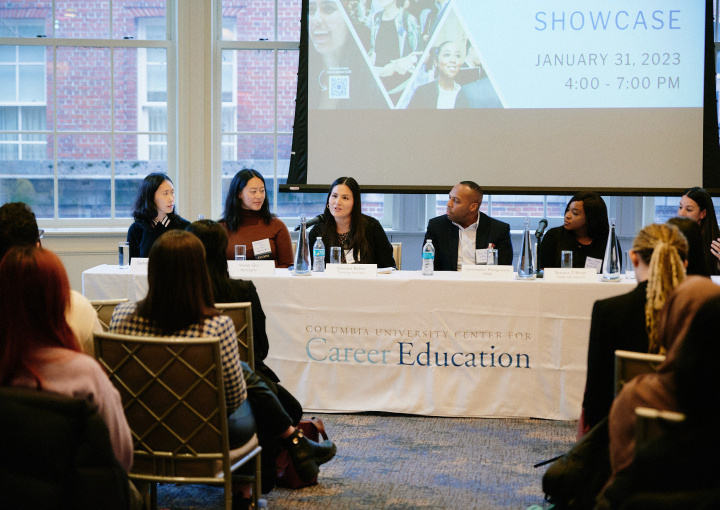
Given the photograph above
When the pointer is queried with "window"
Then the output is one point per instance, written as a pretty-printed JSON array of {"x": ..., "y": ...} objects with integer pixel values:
[{"x": 81, "y": 124}]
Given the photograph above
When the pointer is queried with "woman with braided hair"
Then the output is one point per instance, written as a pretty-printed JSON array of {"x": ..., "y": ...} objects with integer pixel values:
[{"x": 629, "y": 321}]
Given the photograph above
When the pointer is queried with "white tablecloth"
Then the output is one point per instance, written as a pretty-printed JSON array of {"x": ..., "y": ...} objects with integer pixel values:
[{"x": 405, "y": 343}]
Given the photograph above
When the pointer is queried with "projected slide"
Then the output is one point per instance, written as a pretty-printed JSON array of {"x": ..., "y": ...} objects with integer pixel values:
[
  {"x": 604, "y": 93},
  {"x": 490, "y": 54}
]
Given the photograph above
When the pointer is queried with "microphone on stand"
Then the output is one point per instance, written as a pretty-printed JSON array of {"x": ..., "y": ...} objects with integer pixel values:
[
  {"x": 314, "y": 221},
  {"x": 541, "y": 228}
]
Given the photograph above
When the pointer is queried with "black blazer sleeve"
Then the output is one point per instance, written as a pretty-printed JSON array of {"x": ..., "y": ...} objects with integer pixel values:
[
  {"x": 503, "y": 243},
  {"x": 444, "y": 236},
  {"x": 498, "y": 233}
]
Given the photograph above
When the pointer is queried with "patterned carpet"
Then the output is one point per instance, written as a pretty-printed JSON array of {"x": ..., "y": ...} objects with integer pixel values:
[{"x": 409, "y": 462}]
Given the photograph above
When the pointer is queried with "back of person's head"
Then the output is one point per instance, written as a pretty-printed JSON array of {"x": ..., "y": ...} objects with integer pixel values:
[
  {"x": 697, "y": 379},
  {"x": 232, "y": 213},
  {"x": 664, "y": 249},
  {"x": 179, "y": 291},
  {"x": 33, "y": 303},
  {"x": 144, "y": 208},
  {"x": 680, "y": 308},
  {"x": 215, "y": 241},
  {"x": 18, "y": 226},
  {"x": 697, "y": 254},
  {"x": 596, "y": 213}
]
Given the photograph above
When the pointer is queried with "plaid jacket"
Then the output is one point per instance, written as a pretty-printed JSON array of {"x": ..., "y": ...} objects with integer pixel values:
[{"x": 125, "y": 321}]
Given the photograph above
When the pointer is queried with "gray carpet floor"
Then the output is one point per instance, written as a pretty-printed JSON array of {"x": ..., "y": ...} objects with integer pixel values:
[{"x": 389, "y": 461}]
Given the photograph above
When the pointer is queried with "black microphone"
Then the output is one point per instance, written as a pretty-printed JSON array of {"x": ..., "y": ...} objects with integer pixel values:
[
  {"x": 313, "y": 221},
  {"x": 541, "y": 228}
]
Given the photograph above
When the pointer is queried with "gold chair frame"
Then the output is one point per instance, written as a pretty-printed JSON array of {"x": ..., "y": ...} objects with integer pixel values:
[
  {"x": 174, "y": 400},
  {"x": 105, "y": 309},
  {"x": 397, "y": 254},
  {"x": 241, "y": 315},
  {"x": 630, "y": 364}
]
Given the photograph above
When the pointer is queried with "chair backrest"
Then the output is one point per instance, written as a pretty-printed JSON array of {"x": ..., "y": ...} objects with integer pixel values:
[
  {"x": 397, "y": 254},
  {"x": 241, "y": 315},
  {"x": 105, "y": 309},
  {"x": 56, "y": 453},
  {"x": 651, "y": 423},
  {"x": 173, "y": 398},
  {"x": 631, "y": 364}
]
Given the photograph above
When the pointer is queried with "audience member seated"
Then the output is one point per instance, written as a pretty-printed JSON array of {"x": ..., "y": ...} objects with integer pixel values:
[
  {"x": 154, "y": 214},
  {"x": 248, "y": 221},
  {"x": 18, "y": 227},
  {"x": 40, "y": 349},
  {"x": 584, "y": 232},
  {"x": 696, "y": 204},
  {"x": 698, "y": 263},
  {"x": 361, "y": 237},
  {"x": 679, "y": 469},
  {"x": 464, "y": 229},
  {"x": 227, "y": 290},
  {"x": 657, "y": 390},
  {"x": 630, "y": 321},
  {"x": 180, "y": 302}
]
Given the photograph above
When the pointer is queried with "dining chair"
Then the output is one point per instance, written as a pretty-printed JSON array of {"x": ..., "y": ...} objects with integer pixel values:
[
  {"x": 57, "y": 454},
  {"x": 174, "y": 400},
  {"x": 397, "y": 254},
  {"x": 630, "y": 364},
  {"x": 105, "y": 309},
  {"x": 241, "y": 315}
]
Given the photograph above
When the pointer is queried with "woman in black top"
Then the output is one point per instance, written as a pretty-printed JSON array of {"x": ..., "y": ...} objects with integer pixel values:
[
  {"x": 154, "y": 214},
  {"x": 584, "y": 232},
  {"x": 696, "y": 204},
  {"x": 275, "y": 408},
  {"x": 361, "y": 237}
]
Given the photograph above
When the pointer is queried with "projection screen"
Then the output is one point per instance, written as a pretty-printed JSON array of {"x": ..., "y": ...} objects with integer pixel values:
[{"x": 520, "y": 94}]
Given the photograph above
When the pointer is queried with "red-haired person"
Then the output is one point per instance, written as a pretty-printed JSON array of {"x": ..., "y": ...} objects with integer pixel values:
[{"x": 38, "y": 348}]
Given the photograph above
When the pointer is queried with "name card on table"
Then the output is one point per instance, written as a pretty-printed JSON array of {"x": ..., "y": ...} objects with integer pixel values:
[
  {"x": 566, "y": 275},
  {"x": 352, "y": 270},
  {"x": 139, "y": 265},
  {"x": 240, "y": 268},
  {"x": 487, "y": 273}
]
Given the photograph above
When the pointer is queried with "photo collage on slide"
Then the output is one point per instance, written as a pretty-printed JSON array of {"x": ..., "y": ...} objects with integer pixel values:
[{"x": 397, "y": 54}]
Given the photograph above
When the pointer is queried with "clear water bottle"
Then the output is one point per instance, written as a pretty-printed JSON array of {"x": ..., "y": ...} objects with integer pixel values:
[
  {"x": 428, "y": 258},
  {"x": 319, "y": 256},
  {"x": 526, "y": 263},
  {"x": 302, "y": 255},
  {"x": 611, "y": 262}
]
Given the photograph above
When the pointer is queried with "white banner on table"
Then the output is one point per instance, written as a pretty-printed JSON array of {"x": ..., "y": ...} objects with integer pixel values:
[
  {"x": 569, "y": 275},
  {"x": 245, "y": 268},
  {"x": 440, "y": 346},
  {"x": 352, "y": 270},
  {"x": 487, "y": 273}
]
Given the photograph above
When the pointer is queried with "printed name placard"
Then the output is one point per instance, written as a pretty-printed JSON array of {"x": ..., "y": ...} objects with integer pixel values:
[
  {"x": 352, "y": 270},
  {"x": 240, "y": 268},
  {"x": 487, "y": 273},
  {"x": 139, "y": 265},
  {"x": 565, "y": 275}
]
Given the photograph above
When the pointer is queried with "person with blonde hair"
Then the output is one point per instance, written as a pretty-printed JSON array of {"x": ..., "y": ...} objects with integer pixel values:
[{"x": 630, "y": 321}]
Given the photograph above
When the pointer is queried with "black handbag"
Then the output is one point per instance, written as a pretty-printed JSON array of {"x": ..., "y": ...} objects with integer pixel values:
[{"x": 575, "y": 479}]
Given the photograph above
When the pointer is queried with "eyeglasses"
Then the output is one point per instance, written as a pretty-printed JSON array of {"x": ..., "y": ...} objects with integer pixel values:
[{"x": 41, "y": 233}]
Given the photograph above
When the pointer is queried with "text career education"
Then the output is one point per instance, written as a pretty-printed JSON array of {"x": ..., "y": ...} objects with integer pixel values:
[{"x": 414, "y": 353}]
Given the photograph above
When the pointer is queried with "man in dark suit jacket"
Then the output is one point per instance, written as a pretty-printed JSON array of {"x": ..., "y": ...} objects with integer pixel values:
[{"x": 463, "y": 211}]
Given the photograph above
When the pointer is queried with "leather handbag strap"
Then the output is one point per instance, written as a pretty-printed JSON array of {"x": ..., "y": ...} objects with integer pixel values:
[{"x": 320, "y": 426}]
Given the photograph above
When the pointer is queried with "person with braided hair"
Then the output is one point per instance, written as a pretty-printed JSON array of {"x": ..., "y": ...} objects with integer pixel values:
[{"x": 630, "y": 321}]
